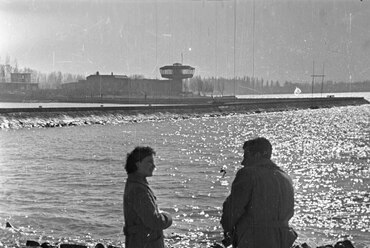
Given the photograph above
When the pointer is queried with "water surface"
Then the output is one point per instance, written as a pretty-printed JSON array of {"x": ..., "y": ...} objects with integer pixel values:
[{"x": 65, "y": 184}]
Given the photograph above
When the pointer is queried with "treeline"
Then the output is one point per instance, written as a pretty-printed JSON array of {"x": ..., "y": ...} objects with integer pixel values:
[
  {"x": 52, "y": 80},
  {"x": 250, "y": 86},
  {"x": 197, "y": 85}
]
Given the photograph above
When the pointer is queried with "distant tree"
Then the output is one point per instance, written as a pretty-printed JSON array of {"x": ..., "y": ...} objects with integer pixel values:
[
  {"x": 248, "y": 83},
  {"x": 80, "y": 77},
  {"x": 137, "y": 76},
  {"x": 15, "y": 69},
  {"x": 68, "y": 78},
  {"x": 200, "y": 85},
  {"x": 2, "y": 73},
  {"x": 207, "y": 85},
  {"x": 191, "y": 84},
  {"x": 51, "y": 80},
  {"x": 58, "y": 80},
  {"x": 222, "y": 85},
  {"x": 8, "y": 67},
  {"x": 42, "y": 79},
  {"x": 220, "y": 82},
  {"x": 268, "y": 85}
]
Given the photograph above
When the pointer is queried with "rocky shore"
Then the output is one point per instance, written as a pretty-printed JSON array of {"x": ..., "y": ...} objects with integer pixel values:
[
  {"x": 38, "y": 244},
  {"x": 30, "y": 243}
]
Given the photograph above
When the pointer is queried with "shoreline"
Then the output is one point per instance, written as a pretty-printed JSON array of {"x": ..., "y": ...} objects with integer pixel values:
[
  {"x": 49, "y": 117},
  {"x": 212, "y": 105},
  {"x": 344, "y": 243}
]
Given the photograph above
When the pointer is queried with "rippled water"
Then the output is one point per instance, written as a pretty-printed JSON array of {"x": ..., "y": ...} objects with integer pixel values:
[{"x": 65, "y": 184}]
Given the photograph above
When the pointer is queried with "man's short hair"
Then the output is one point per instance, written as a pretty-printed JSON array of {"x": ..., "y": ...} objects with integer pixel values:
[
  {"x": 261, "y": 145},
  {"x": 137, "y": 155}
]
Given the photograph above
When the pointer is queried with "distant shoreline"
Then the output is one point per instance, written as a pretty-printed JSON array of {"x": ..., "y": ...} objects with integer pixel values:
[{"x": 203, "y": 105}]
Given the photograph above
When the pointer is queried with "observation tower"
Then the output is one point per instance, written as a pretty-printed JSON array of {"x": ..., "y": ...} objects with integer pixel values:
[{"x": 177, "y": 73}]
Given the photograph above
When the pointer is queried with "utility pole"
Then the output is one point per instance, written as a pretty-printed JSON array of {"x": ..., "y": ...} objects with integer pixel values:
[
  {"x": 317, "y": 75},
  {"x": 234, "y": 46},
  {"x": 322, "y": 79},
  {"x": 100, "y": 86}
]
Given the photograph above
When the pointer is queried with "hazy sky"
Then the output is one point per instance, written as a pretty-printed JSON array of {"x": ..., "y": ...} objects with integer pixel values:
[{"x": 274, "y": 39}]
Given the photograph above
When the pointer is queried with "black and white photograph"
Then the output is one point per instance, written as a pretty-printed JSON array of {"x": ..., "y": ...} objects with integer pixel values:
[{"x": 185, "y": 123}]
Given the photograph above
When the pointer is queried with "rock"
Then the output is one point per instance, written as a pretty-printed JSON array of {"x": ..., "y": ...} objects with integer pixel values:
[
  {"x": 47, "y": 245},
  {"x": 344, "y": 244},
  {"x": 72, "y": 246},
  {"x": 32, "y": 243},
  {"x": 339, "y": 244}
]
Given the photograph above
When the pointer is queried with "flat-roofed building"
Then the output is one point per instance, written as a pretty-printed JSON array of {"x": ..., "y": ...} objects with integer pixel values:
[
  {"x": 121, "y": 85},
  {"x": 19, "y": 83},
  {"x": 17, "y": 77}
]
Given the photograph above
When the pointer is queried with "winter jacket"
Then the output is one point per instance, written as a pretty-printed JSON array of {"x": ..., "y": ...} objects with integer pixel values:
[
  {"x": 144, "y": 223},
  {"x": 259, "y": 207}
]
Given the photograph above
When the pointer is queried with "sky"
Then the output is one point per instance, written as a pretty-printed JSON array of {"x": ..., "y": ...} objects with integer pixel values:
[{"x": 284, "y": 40}]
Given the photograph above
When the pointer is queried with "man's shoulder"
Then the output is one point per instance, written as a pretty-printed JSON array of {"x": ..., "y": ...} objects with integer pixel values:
[
  {"x": 269, "y": 167},
  {"x": 247, "y": 171},
  {"x": 133, "y": 187}
]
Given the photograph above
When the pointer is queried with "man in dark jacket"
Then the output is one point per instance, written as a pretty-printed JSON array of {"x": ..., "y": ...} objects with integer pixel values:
[
  {"x": 144, "y": 223},
  {"x": 261, "y": 202}
]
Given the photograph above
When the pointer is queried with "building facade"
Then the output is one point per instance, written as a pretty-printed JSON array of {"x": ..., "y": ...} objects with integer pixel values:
[
  {"x": 20, "y": 77},
  {"x": 120, "y": 85},
  {"x": 19, "y": 83}
]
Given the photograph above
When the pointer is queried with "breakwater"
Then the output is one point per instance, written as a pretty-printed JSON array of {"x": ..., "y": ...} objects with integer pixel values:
[
  {"x": 213, "y": 105},
  {"x": 77, "y": 116}
]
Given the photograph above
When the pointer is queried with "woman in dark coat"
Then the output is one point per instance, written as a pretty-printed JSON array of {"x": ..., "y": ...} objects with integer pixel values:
[
  {"x": 256, "y": 214},
  {"x": 144, "y": 223}
]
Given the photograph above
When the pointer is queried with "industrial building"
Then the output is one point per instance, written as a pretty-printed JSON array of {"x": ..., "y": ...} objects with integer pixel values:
[
  {"x": 19, "y": 83},
  {"x": 121, "y": 85}
]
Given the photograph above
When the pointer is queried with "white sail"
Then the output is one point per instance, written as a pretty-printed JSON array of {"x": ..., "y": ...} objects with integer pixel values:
[{"x": 297, "y": 91}]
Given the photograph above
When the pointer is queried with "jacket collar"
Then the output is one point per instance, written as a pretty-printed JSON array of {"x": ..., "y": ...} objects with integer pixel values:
[
  {"x": 135, "y": 177},
  {"x": 265, "y": 163}
]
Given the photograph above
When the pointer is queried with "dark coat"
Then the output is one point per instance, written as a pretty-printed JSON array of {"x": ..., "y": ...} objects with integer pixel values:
[
  {"x": 259, "y": 207},
  {"x": 144, "y": 223}
]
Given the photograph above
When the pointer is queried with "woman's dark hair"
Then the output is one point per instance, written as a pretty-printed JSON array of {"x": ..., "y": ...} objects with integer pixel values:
[
  {"x": 261, "y": 145},
  {"x": 137, "y": 155}
]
